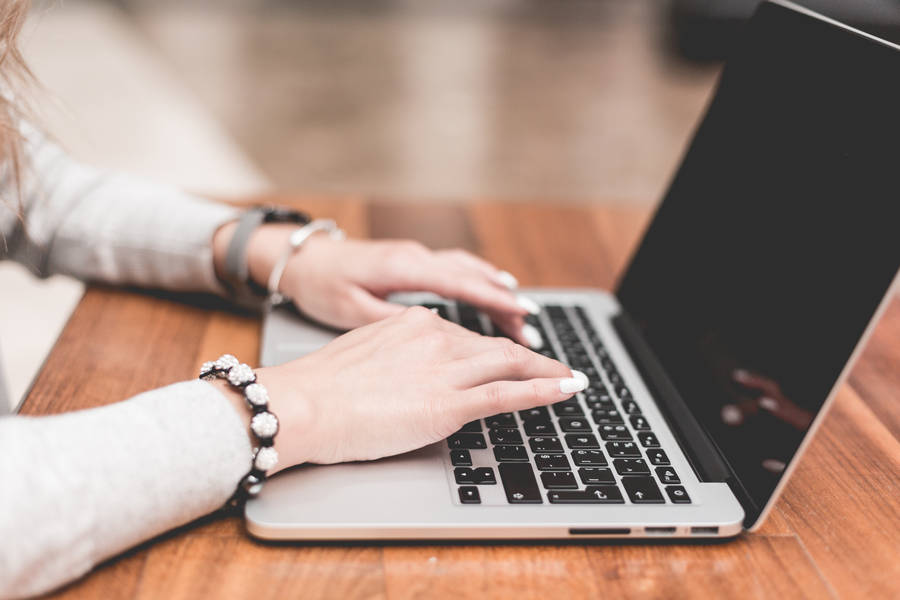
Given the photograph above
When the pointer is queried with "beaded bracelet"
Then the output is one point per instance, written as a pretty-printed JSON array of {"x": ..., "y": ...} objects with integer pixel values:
[{"x": 263, "y": 423}]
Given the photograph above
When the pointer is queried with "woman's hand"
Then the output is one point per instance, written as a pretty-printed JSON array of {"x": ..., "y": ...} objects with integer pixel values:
[
  {"x": 400, "y": 384},
  {"x": 345, "y": 283}
]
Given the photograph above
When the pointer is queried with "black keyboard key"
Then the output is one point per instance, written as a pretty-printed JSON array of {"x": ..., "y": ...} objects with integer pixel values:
[
  {"x": 631, "y": 466},
  {"x": 589, "y": 458},
  {"x": 484, "y": 476},
  {"x": 643, "y": 490},
  {"x": 631, "y": 407},
  {"x": 460, "y": 458},
  {"x": 468, "y": 494},
  {"x": 501, "y": 420},
  {"x": 622, "y": 449},
  {"x": 678, "y": 494},
  {"x": 657, "y": 456},
  {"x": 559, "y": 480},
  {"x": 667, "y": 475},
  {"x": 597, "y": 401},
  {"x": 551, "y": 462},
  {"x": 614, "y": 432},
  {"x": 506, "y": 436},
  {"x": 466, "y": 441},
  {"x": 582, "y": 440},
  {"x": 595, "y": 494},
  {"x": 510, "y": 453},
  {"x": 519, "y": 483},
  {"x": 568, "y": 408},
  {"x": 622, "y": 392},
  {"x": 574, "y": 424},
  {"x": 594, "y": 476},
  {"x": 464, "y": 475},
  {"x": 648, "y": 439},
  {"x": 639, "y": 422},
  {"x": 607, "y": 417},
  {"x": 538, "y": 412},
  {"x": 545, "y": 445},
  {"x": 471, "y": 427},
  {"x": 539, "y": 427}
]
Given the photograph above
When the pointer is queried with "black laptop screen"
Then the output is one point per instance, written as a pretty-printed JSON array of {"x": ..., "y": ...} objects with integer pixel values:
[{"x": 778, "y": 238}]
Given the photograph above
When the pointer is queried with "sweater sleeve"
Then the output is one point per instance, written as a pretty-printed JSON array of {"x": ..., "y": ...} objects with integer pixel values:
[
  {"x": 102, "y": 226},
  {"x": 80, "y": 487}
]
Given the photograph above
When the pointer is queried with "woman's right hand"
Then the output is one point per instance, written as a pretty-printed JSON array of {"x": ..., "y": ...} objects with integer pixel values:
[{"x": 400, "y": 384}]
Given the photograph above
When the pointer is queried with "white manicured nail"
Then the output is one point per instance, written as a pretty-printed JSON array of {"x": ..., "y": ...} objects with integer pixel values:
[
  {"x": 507, "y": 279},
  {"x": 528, "y": 304},
  {"x": 576, "y": 383},
  {"x": 532, "y": 336}
]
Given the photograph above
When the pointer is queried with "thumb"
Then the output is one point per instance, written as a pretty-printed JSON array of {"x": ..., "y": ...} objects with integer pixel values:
[{"x": 370, "y": 309}]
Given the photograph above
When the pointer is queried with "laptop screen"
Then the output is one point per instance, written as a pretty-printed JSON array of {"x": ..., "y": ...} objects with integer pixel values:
[{"x": 777, "y": 240}]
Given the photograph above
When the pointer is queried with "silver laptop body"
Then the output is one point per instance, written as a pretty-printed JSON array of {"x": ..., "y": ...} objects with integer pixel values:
[{"x": 707, "y": 484}]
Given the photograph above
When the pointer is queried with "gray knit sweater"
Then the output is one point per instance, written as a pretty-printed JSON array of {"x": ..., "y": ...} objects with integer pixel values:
[{"x": 80, "y": 487}]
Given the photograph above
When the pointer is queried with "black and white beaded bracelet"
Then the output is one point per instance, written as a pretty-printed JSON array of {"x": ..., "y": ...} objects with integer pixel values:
[{"x": 263, "y": 423}]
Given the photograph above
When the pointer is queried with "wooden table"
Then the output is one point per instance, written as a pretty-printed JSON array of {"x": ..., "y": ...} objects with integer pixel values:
[{"x": 834, "y": 532}]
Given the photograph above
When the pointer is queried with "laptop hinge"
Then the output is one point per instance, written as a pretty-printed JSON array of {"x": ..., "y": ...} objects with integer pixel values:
[{"x": 699, "y": 449}]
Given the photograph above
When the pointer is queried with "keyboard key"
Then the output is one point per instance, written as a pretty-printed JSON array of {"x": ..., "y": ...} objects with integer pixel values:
[
  {"x": 559, "y": 480},
  {"x": 595, "y": 494},
  {"x": 538, "y": 412},
  {"x": 631, "y": 407},
  {"x": 607, "y": 417},
  {"x": 501, "y": 420},
  {"x": 547, "y": 445},
  {"x": 468, "y": 494},
  {"x": 631, "y": 466},
  {"x": 510, "y": 453},
  {"x": 582, "y": 440},
  {"x": 622, "y": 449},
  {"x": 519, "y": 483},
  {"x": 539, "y": 427},
  {"x": 467, "y": 441},
  {"x": 568, "y": 408},
  {"x": 678, "y": 494},
  {"x": 648, "y": 439},
  {"x": 471, "y": 427},
  {"x": 638, "y": 422},
  {"x": 643, "y": 490},
  {"x": 657, "y": 456},
  {"x": 598, "y": 401},
  {"x": 622, "y": 392},
  {"x": 484, "y": 476},
  {"x": 589, "y": 457},
  {"x": 614, "y": 432},
  {"x": 593, "y": 476},
  {"x": 667, "y": 475},
  {"x": 460, "y": 458},
  {"x": 506, "y": 436},
  {"x": 464, "y": 475},
  {"x": 551, "y": 462},
  {"x": 574, "y": 424}
]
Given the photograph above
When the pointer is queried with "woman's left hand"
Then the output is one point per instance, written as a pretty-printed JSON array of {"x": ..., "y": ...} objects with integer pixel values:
[{"x": 345, "y": 283}]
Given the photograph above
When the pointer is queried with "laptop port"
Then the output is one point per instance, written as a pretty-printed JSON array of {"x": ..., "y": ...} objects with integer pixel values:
[
  {"x": 659, "y": 530},
  {"x": 704, "y": 531},
  {"x": 604, "y": 531}
]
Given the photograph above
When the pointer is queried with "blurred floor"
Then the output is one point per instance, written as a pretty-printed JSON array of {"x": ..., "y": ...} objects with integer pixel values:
[{"x": 441, "y": 99}]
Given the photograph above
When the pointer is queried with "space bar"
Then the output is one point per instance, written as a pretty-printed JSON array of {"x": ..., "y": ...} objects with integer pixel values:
[{"x": 519, "y": 483}]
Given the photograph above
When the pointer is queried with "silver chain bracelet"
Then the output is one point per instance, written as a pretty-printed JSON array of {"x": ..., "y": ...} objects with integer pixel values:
[{"x": 263, "y": 423}]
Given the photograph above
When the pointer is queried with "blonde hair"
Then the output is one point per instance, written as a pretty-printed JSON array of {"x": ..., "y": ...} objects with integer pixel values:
[{"x": 14, "y": 74}]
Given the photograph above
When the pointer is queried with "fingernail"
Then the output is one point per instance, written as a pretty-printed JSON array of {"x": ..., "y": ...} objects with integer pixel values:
[
  {"x": 528, "y": 304},
  {"x": 576, "y": 383},
  {"x": 532, "y": 336},
  {"x": 770, "y": 404},
  {"x": 507, "y": 279}
]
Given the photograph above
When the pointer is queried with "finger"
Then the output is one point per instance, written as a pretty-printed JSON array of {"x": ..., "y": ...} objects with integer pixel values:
[
  {"x": 473, "y": 288},
  {"x": 758, "y": 382},
  {"x": 518, "y": 330},
  {"x": 509, "y": 396},
  {"x": 497, "y": 276},
  {"x": 369, "y": 309},
  {"x": 503, "y": 360}
]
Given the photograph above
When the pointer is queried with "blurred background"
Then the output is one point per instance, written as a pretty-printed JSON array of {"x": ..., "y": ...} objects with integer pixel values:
[{"x": 418, "y": 100}]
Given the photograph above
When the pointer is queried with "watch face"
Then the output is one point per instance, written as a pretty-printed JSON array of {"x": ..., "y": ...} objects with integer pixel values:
[{"x": 277, "y": 214}]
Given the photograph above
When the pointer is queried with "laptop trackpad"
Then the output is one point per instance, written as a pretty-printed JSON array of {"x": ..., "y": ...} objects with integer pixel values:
[{"x": 287, "y": 336}]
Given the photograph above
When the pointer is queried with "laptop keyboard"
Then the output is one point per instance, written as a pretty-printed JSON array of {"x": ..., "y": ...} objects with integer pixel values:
[{"x": 595, "y": 448}]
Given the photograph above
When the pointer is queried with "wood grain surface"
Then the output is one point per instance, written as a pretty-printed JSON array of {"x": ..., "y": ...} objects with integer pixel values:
[{"x": 834, "y": 533}]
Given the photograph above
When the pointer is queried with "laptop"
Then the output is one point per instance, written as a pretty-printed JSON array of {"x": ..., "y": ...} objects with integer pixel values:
[{"x": 756, "y": 284}]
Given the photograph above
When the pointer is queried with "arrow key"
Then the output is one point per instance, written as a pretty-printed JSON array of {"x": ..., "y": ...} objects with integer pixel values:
[{"x": 642, "y": 490}]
